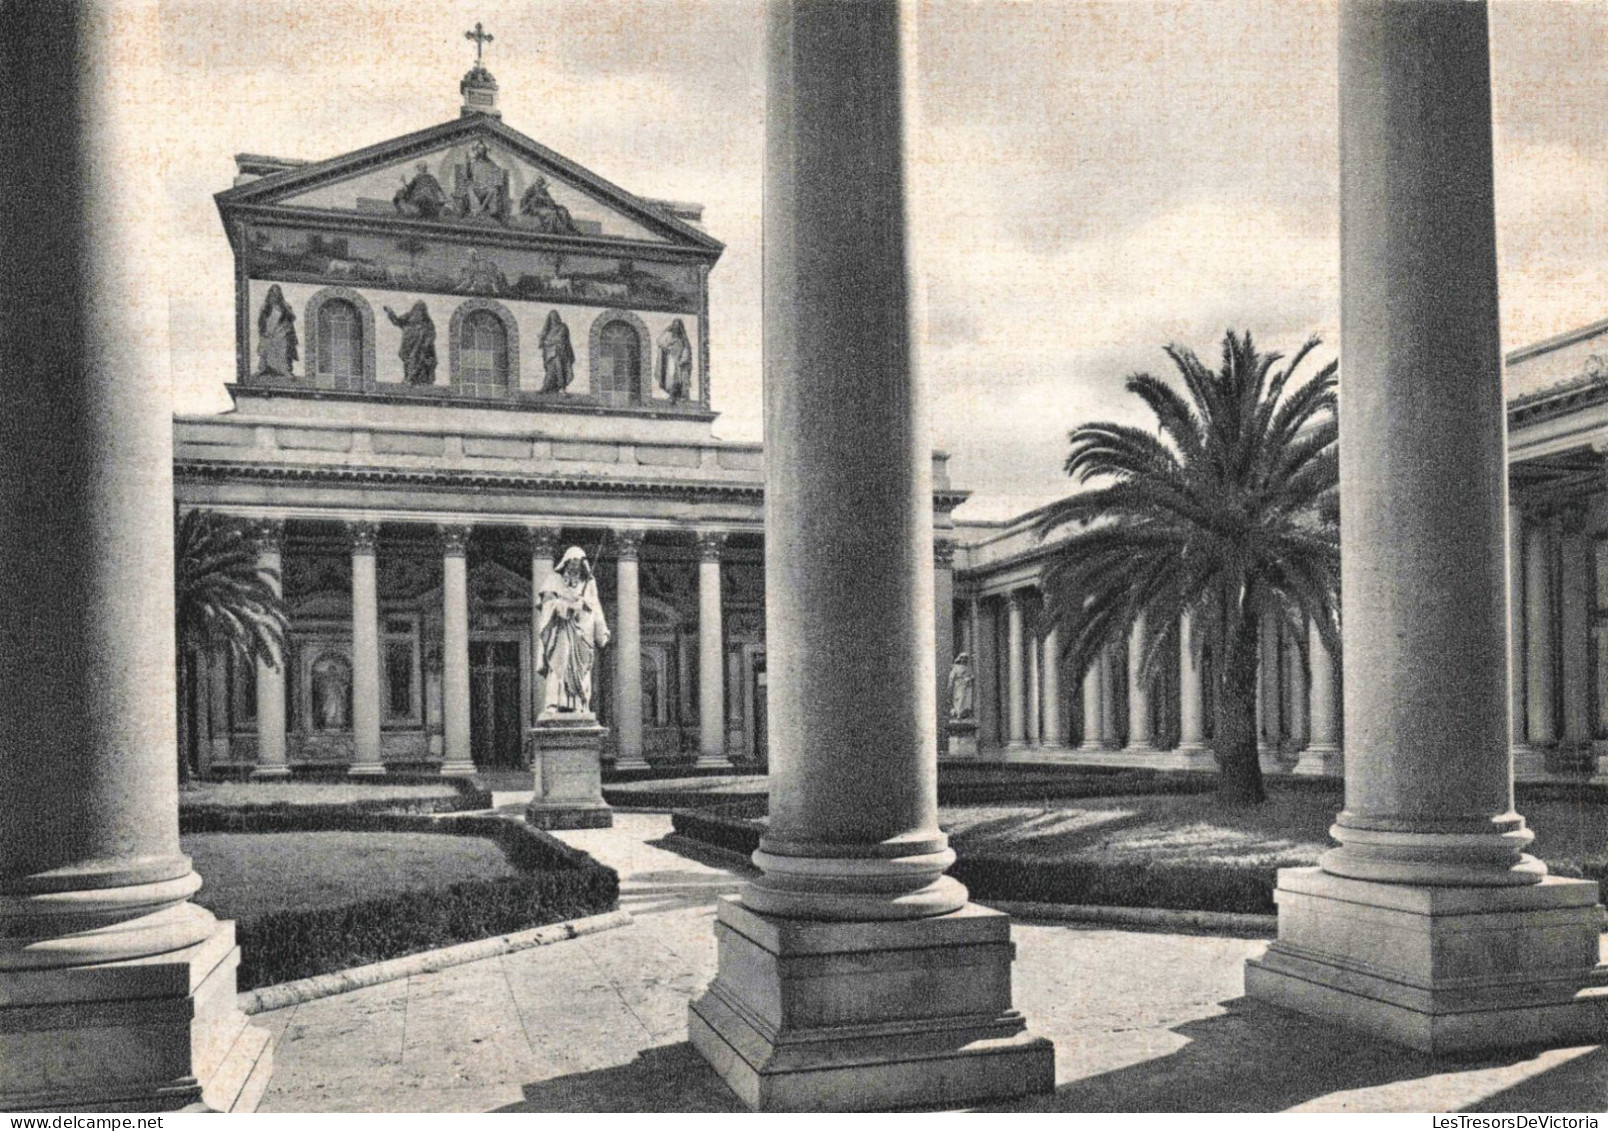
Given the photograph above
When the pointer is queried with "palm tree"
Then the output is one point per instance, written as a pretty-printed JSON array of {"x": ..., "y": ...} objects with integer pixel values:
[
  {"x": 221, "y": 598},
  {"x": 1228, "y": 512}
]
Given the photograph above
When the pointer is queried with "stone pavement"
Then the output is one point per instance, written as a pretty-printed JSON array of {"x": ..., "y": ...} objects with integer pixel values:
[{"x": 1141, "y": 1022}]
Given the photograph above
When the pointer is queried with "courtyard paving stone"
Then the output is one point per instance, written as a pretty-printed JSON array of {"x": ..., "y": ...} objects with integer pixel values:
[{"x": 1142, "y": 1021}]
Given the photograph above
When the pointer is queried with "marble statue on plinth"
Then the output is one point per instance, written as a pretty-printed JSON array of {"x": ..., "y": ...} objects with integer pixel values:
[
  {"x": 962, "y": 686},
  {"x": 570, "y": 629}
]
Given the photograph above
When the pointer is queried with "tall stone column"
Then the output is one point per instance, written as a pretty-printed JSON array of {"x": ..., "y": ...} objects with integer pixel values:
[
  {"x": 1539, "y": 637},
  {"x": 270, "y": 539},
  {"x": 1431, "y": 851},
  {"x": 1094, "y": 707},
  {"x": 543, "y": 544},
  {"x": 365, "y": 651},
  {"x": 1054, "y": 723},
  {"x": 1035, "y": 699},
  {"x": 218, "y": 706},
  {"x": 1527, "y": 760},
  {"x": 985, "y": 664},
  {"x": 712, "y": 655},
  {"x": 1111, "y": 660},
  {"x": 853, "y": 972},
  {"x": 1015, "y": 676},
  {"x": 943, "y": 605},
  {"x": 1191, "y": 697},
  {"x": 1298, "y": 691},
  {"x": 118, "y": 992},
  {"x": 457, "y": 759},
  {"x": 1322, "y": 753},
  {"x": 1140, "y": 739},
  {"x": 628, "y": 651},
  {"x": 1574, "y": 627}
]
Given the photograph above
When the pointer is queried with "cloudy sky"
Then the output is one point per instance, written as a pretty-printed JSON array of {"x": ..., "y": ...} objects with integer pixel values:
[{"x": 1089, "y": 180}]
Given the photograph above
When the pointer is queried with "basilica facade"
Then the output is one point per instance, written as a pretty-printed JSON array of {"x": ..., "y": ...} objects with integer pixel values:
[{"x": 458, "y": 354}]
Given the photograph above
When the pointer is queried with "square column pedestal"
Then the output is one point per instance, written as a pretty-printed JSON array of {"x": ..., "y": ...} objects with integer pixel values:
[
  {"x": 567, "y": 765},
  {"x": 962, "y": 740},
  {"x": 150, "y": 1034},
  {"x": 1439, "y": 969},
  {"x": 859, "y": 1016}
]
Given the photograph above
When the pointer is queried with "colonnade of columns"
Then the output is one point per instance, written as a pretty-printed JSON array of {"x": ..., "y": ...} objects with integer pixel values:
[
  {"x": 366, "y": 714},
  {"x": 1553, "y": 592},
  {"x": 1298, "y": 719}
]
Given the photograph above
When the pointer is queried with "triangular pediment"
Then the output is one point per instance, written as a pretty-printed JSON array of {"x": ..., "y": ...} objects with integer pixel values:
[{"x": 471, "y": 175}]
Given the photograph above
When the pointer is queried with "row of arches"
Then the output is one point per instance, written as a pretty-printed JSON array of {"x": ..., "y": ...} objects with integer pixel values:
[{"x": 482, "y": 349}]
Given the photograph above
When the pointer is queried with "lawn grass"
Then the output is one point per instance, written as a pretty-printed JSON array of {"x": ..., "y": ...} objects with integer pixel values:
[
  {"x": 250, "y": 874},
  {"x": 254, "y": 793},
  {"x": 1186, "y": 851},
  {"x": 1290, "y": 830}
]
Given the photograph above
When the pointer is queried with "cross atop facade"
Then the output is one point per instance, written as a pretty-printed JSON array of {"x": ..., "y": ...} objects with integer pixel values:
[{"x": 481, "y": 38}]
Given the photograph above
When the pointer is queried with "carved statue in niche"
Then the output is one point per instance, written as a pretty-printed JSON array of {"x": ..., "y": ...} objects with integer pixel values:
[
  {"x": 418, "y": 352},
  {"x": 276, "y": 336},
  {"x": 675, "y": 362},
  {"x": 962, "y": 686},
  {"x": 422, "y": 195},
  {"x": 332, "y": 691},
  {"x": 570, "y": 630},
  {"x": 480, "y": 186},
  {"x": 550, "y": 216},
  {"x": 558, "y": 356},
  {"x": 481, "y": 276}
]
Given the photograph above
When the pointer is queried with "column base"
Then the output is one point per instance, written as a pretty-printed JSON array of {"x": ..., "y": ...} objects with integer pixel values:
[
  {"x": 830, "y": 1016},
  {"x": 713, "y": 762},
  {"x": 1320, "y": 761},
  {"x": 1195, "y": 756},
  {"x": 162, "y": 1033},
  {"x": 458, "y": 769},
  {"x": 1439, "y": 969},
  {"x": 566, "y": 763},
  {"x": 1529, "y": 763},
  {"x": 1271, "y": 760},
  {"x": 636, "y": 762},
  {"x": 366, "y": 770},
  {"x": 270, "y": 773}
]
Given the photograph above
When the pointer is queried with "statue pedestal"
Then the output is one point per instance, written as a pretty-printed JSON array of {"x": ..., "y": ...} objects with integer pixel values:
[
  {"x": 962, "y": 739},
  {"x": 566, "y": 762}
]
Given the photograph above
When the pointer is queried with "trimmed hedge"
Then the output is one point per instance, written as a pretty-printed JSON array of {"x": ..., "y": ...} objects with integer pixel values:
[
  {"x": 286, "y": 945},
  {"x": 1019, "y": 783},
  {"x": 1101, "y": 883},
  {"x": 558, "y": 883},
  {"x": 1108, "y": 883}
]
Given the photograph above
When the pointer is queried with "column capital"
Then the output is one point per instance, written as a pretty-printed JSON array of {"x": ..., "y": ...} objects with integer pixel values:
[
  {"x": 628, "y": 544},
  {"x": 364, "y": 536},
  {"x": 710, "y": 544},
  {"x": 454, "y": 538},
  {"x": 542, "y": 541},
  {"x": 943, "y": 553},
  {"x": 268, "y": 534}
]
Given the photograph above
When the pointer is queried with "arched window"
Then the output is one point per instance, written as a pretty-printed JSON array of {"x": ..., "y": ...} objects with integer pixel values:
[
  {"x": 340, "y": 345},
  {"x": 483, "y": 354},
  {"x": 617, "y": 365}
]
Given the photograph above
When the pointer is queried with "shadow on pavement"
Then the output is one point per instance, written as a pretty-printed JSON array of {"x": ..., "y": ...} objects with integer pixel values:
[
  {"x": 1259, "y": 1058},
  {"x": 664, "y": 1079}
]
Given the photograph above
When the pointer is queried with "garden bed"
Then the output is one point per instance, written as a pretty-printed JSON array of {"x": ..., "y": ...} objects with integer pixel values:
[
  {"x": 538, "y": 880},
  {"x": 220, "y": 806},
  {"x": 1182, "y": 851}
]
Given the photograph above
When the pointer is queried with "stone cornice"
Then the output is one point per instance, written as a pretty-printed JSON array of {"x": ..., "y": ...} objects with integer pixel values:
[
  {"x": 1557, "y": 401},
  {"x": 447, "y": 395},
  {"x": 431, "y": 479}
]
